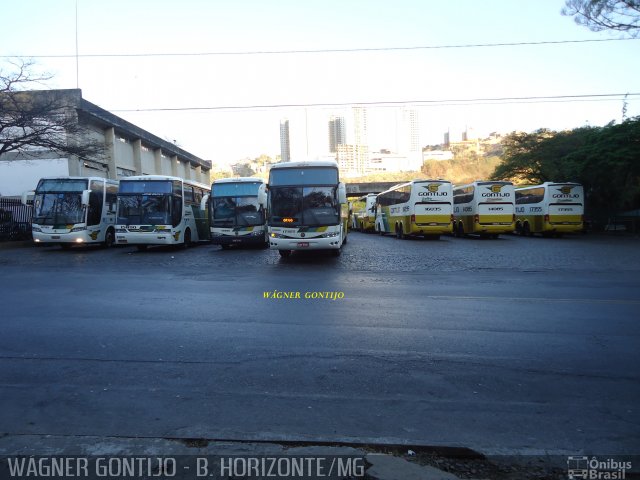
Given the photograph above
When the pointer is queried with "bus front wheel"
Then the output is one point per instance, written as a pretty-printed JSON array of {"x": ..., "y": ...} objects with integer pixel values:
[
  {"x": 109, "y": 238},
  {"x": 187, "y": 239},
  {"x": 526, "y": 230},
  {"x": 284, "y": 253}
]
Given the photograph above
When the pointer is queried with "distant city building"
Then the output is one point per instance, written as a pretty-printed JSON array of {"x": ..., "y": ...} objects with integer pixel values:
[
  {"x": 285, "y": 144},
  {"x": 447, "y": 139},
  {"x": 337, "y": 133},
  {"x": 469, "y": 134},
  {"x": 385, "y": 161},
  {"x": 360, "y": 135},
  {"x": 352, "y": 159},
  {"x": 408, "y": 130}
]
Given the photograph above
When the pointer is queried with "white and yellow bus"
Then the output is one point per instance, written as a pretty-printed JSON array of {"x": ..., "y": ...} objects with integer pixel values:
[
  {"x": 307, "y": 207},
  {"x": 552, "y": 208},
  {"x": 74, "y": 211},
  {"x": 237, "y": 212},
  {"x": 364, "y": 213},
  {"x": 484, "y": 208},
  {"x": 161, "y": 210},
  {"x": 420, "y": 207}
]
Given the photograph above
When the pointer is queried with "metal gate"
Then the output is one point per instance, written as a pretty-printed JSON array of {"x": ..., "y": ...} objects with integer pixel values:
[{"x": 15, "y": 219}]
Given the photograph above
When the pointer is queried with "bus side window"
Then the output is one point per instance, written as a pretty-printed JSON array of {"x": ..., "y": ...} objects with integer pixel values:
[
  {"x": 176, "y": 210},
  {"x": 112, "y": 196},
  {"x": 96, "y": 201}
]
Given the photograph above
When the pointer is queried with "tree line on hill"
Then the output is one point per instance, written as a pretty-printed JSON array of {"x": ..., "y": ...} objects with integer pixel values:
[{"x": 605, "y": 160}]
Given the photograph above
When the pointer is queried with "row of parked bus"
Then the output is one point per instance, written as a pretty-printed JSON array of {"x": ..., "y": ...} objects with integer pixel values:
[
  {"x": 307, "y": 210},
  {"x": 486, "y": 208},
  {"x": 304, "y": 208}
]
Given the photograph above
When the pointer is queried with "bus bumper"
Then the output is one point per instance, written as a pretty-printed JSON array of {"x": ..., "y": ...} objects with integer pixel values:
[
  {"x": 439, "y": 229},
  {"x": 493, "y": 229},
  {"x": 562, "y": 228},
  {"x": 331, "y": 243},
  {"x": 249, "y": 239},
  {"x": 75, "y": 238},
  {"x": 150, "y": 238}
]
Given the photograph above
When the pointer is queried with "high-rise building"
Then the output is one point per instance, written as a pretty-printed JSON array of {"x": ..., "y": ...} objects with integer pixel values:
[
  {"x": 352, "y": 159},
  {"x": 408, "y": 130},
  {"x": 360, "y": 126},
  {"x": 285, "y": 145},
  {"x": 337, "y": 133}
]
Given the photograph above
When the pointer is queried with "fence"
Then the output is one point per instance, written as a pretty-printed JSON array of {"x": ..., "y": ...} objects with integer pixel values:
[{"x": 15, "y": 219}]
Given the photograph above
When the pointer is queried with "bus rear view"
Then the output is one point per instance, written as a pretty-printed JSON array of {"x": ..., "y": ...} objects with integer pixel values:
[{"x": 307, "y": 207}]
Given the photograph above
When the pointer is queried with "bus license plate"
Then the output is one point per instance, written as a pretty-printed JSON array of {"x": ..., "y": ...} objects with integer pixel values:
[
  {"x": 303, "y": 244},
  {"x": 55, "y": 237},
  {"x": 236, "y": 240}
]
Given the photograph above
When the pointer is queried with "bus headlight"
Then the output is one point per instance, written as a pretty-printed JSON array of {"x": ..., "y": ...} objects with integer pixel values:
[
  {"x": 36, "y": 229},
  {"x": 329, "y": 235},
  {"x": 277, "y": 235},
  {"x": 78, "y": 229}
]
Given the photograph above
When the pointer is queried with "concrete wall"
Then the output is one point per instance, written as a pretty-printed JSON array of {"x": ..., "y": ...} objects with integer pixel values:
[{"x": 17, "y": 176}]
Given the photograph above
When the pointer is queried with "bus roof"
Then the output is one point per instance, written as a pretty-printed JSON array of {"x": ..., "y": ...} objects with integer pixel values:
[
  {"x": 404, "y": 184},
  {"x": 80, "y": 178},
  {"x": 238, "y": 180},
  {"x": 484, "y": 182},
  {"x": 164, "y": 177},
  {"x": 548, "y": 184},
  {"x": 309, "y": 163}
]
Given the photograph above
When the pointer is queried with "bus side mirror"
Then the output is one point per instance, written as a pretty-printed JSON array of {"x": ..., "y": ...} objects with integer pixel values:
[
  {"x": 262, "y": 195},
  {"x": 203, "y": 203},
  {"x": 342, "y": 193},
  {"x": 85, "y": 197},
  {"x": 25, "y": 197}
]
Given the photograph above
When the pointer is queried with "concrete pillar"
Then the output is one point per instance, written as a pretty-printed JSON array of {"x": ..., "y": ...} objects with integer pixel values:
[
  {"x": 75, "y": 166},
  {"x": 157, "y": 158},
  {"x": 110, "y": 143},
  {"x": 198, "y": 174},
  {"x": 137, "y": 156},
  {"x": 205, "y": 177},
  {"x": 174, "y": 166}
]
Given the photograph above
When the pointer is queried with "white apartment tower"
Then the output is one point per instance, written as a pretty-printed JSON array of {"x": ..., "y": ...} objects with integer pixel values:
[
  {"x": 360, "y": 126},
  {"x": 285, "y": 145},
  {"x": 408, "y": 130}
]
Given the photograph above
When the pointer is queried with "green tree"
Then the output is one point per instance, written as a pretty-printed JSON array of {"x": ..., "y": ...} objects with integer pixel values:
[{"x": 606, "y": 160}]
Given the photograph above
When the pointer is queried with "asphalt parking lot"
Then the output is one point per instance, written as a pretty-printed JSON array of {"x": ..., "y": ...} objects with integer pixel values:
[{"x": 508, "y": 345}]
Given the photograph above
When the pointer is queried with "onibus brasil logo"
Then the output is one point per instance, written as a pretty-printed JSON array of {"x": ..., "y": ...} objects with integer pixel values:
[{"x": 583, "y": 467}]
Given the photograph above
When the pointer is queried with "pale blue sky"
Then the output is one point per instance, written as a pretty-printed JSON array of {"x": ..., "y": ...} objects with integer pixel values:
[{"x": 47, "y": 27}]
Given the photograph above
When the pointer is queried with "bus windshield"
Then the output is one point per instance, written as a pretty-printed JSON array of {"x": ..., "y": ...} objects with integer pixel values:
[
  {"x": 304, "y": 206},
  {"x": 237, "y": 212},
  {"x": 64, "y": 208},
  {"x": 303, "y": 176},
  {"x": 144, "y": 209}
]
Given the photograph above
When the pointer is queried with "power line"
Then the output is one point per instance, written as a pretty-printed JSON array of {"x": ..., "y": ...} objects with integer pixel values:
[
  {"x": 444, "y": 102},
  {"x": 326, "y": 50}
]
